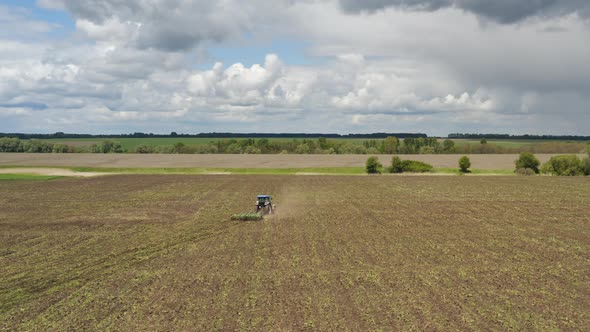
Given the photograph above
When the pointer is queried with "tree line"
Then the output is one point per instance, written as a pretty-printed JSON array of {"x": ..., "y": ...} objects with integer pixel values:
[
  {"x": 520, "y": 137},
  {"x": 526, "y": 164},
  {"x": 323, "y": 145},
  {"x": 213, "y": 135},
  {"x": 389, "y": 145}
]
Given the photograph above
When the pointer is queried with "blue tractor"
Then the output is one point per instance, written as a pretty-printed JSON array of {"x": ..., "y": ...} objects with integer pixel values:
[{"x": 264, "y": 204}]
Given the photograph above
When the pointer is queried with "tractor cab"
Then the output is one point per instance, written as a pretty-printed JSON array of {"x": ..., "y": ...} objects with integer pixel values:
[{"x": 264, "y": 204}]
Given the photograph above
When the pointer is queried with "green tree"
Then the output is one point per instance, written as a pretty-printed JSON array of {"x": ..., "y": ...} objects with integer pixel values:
[
  {"x": 107, "y": 147},
  {"x": 37, "y": 146},
  {"x": 233, "y": 148},
  {"x": 390, "y": 145},
  {"x": 568, "y": 165},
  {"x": 9, "y": 144},
  {"x": 60, "y": 148},
  {"x": 464, "y": 164},
  {"x": 448, "y": 146},
  {"x": 528, "y": 160},
  {"x": 302, "y": 149},
  {"x": 373, "y": 166},
  {"x": 252, "y": 150},
  {"x": 483, "y": 141},
  {"x": 427, "y": 150},
  {"x": 397, "y": 165},
  {"x": 142, "y": 148},
  {"x": 179, "y": 147}
]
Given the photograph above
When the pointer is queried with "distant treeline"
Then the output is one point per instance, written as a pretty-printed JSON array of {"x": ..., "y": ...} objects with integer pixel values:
[
  {"x": 214, "y": 135},
  {"x": 322, "y": 145},
  {"x": 522, "y": 137}
]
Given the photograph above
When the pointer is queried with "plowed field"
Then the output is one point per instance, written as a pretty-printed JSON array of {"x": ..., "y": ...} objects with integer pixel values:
[
  {"x": 478, "y": 161},
  {"x": 156, "y": 252}
]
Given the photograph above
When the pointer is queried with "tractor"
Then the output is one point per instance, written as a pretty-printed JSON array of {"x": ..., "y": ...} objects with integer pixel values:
[{"x": 264, "y": 205}]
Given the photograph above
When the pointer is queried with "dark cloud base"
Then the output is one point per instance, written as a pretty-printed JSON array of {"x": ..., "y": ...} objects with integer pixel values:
[{"x": 502, "y": 11}]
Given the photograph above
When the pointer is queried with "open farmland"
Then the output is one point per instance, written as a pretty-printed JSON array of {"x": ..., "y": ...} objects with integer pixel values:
[
  {"x": 139, "y": 252},
  {"x": 479, "y": 161},
  {"x": 130, "y": 144}
]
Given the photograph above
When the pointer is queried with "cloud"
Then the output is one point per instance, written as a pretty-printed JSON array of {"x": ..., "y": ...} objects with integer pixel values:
[
  {"x": 427, "y": 66},
  {"x": 503, "y": 11},
  {"x": 169, "y": 25}
]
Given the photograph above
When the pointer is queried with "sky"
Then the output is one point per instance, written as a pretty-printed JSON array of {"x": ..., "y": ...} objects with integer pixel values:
[{"x": 322, "y": 66}]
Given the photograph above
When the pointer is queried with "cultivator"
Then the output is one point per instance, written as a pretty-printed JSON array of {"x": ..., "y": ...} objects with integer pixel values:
[{"x": 264, "y": 207}]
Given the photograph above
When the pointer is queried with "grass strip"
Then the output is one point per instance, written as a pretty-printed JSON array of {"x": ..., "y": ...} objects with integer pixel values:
[{"x": 27, "y": 177}]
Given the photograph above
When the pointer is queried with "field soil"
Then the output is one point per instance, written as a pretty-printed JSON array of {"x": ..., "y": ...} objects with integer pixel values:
[
  {"x": 158, "y": 252},
  {"x": 49, "y": 171},
  {"x": 478, "y": 161}
]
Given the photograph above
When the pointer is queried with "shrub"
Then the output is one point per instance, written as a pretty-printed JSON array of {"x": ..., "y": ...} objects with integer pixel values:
[
  {"x": 528, "y": 160},
  {"x": 397, "y": 165},
  {"x": 142, "y": 148},
  {"x": 483, "y": 141},
  {"x": 206, "y": 149},
  {"x": 414, "y": 166},
  {"x": 588, "y": 149},
  {"x": 107, "y": 147},
  {"x": 164, "y": 149},
  {"x": 179, "y": 148},
  {"x": 569, "y": 165},
  {"x": 373, "y": 151},
  {"x": 60, "y": 148},
  {"x": 525, "y": 171},
  {"x": 233, "y": 148},
  {"x": 586, "y": 166},
  {"x": 252, "y": 150},
  {"x": 427, "y": 150},
  {"x": 373, "y": 166},
  {"x": 302, "y": 149},
  {"x": 37, "y": 146},
  {"x": 464, "y": 164}
]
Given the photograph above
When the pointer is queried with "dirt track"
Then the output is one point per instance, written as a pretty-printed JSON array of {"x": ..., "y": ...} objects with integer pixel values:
[{"x": 479, "y": 161}]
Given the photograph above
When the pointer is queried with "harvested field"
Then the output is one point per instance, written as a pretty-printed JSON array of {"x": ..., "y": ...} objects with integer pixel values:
[
  {"x": 478, "y": 161},
  {"x": 154, "y": 252}
]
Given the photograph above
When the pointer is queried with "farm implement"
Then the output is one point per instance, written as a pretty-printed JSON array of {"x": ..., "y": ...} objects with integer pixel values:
[{"x": 264, "y": 206}]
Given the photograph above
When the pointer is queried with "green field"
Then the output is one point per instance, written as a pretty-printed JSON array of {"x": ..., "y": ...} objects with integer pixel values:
[{"x": 159, "y": 252}]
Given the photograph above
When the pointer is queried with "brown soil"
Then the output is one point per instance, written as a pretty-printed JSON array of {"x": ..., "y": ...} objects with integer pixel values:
[
  {"x": 495, "y": 161},
  {"x": 141, "y": 252}
]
